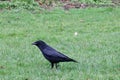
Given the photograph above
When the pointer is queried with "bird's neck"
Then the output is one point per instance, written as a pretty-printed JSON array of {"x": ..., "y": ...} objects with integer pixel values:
[{"x": 41, "y": 47}]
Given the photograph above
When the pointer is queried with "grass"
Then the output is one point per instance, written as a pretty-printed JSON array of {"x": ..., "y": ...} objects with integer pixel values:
[{"x": 96, "y": 47}]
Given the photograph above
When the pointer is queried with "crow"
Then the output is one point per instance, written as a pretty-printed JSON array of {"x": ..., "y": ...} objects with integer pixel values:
[{"x": 52, "y": 55}]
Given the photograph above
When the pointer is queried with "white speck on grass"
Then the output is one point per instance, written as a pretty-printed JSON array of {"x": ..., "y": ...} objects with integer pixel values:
[{"x": 75, "y": 33}]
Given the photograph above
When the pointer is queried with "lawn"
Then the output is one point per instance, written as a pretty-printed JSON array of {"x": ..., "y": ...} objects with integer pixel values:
[{"x": 96, "y": 47}]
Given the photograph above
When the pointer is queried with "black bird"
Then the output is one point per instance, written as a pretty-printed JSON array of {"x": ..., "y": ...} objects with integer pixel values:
[{"x": 52, "y": 55}]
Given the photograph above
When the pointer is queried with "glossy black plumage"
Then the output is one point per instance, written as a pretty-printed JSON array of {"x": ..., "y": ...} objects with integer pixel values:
[{"x": 52, "y": 55}]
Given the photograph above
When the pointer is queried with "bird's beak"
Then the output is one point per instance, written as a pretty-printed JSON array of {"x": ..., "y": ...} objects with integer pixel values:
[{"x": 34, "y": 43}]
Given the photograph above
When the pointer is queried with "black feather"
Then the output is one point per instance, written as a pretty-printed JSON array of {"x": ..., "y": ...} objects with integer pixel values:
[{"x": 52, "y": 55}]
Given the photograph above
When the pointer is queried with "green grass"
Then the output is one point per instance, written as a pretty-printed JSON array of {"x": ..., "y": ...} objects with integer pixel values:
[{"x": 96, "y": 47}]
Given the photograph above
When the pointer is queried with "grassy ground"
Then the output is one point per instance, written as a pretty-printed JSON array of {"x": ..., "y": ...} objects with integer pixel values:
[{"x": 96, "y": 47}]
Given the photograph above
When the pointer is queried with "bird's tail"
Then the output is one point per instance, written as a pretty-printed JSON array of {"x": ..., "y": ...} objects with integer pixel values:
[{"x": 72, "y": 60}]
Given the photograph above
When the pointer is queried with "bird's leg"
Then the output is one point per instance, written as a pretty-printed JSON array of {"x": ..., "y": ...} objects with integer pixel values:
[
  {"x": 52, "y": 65},
  {"x": 56, "y": 65}
]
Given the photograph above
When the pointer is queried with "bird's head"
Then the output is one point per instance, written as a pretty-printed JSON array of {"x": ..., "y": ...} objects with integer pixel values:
[{"x": 39, "y": 42}]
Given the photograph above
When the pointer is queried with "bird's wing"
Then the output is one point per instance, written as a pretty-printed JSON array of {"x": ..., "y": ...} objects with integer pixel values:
[{"x": 50, "y": 52}]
